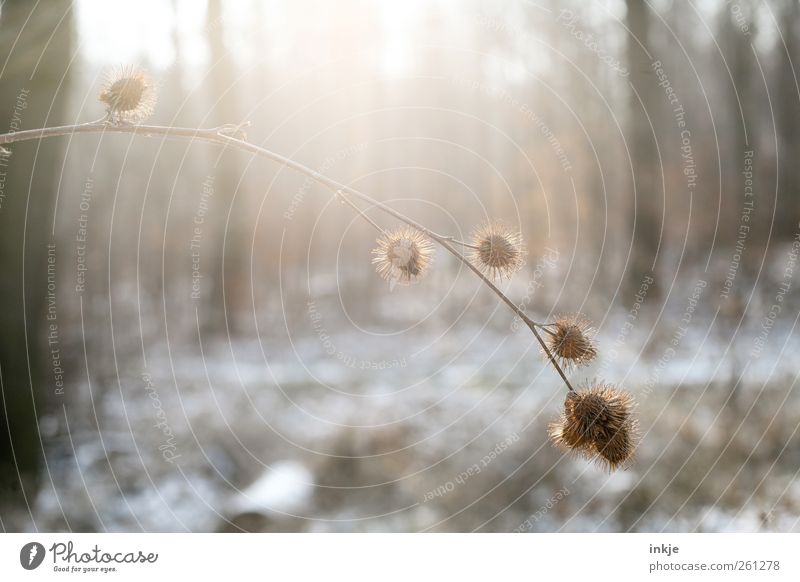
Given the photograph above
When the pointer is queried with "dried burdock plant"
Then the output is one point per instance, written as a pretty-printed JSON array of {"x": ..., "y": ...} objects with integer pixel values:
[
  {"x": 403, "y": 255},
  {"x": 129, "y": 96},
  {"x": 497, "y": 249},
  {"x": 571, "y": 340},
  {"x": 597, "y": 422}
]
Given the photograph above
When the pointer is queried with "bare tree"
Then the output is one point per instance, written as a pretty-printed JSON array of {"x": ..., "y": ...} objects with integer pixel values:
[
  {"x": 37, "y": 41},
  {"x": 645, "y": 193}
]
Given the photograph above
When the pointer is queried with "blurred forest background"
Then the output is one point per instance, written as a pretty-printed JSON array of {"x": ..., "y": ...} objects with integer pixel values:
[{"x": 195, "y": 339}]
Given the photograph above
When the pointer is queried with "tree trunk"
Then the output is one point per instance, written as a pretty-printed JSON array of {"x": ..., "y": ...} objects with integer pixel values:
[
  {"x": 646, "y": 194},
  {"x": 33, "y": 91}
]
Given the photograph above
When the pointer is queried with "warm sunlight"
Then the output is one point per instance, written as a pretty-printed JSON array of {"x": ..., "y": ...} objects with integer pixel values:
[{"x": 367, "y": 266}]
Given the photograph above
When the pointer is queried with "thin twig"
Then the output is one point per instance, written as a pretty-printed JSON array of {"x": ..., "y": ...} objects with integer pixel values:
[
  {"x": 546, "y": 328},
  {"x": 462, "y": 243},
  {"x": 551, "y": 357},
  {"x": 343, "y": 197},
  {"x": 228, "y": 135}
]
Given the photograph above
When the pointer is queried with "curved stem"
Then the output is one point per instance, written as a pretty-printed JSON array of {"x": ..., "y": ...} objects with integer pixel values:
[
  {"x": 551, "y": 358},
  {"x": 461, "y": 243},
  {"x": 343, "y": 197},
  {"x": 227, "y": 135}
]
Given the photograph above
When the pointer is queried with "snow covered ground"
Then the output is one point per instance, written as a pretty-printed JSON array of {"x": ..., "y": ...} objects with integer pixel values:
[{"x": 440, "y": 429}]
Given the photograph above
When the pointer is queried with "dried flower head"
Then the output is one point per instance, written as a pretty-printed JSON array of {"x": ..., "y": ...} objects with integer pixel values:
[
  {"x": 129, "y": 95},
  {"x": 403, "y": 255},
  {"x": 619, "y": 450},
  {"x": 498, "y": 250},
  {"x": 597, "y": 423},
  {"x": 570, "y": 341}
]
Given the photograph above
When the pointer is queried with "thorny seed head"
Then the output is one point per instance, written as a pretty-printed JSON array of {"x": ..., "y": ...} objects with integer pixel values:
[
  {"x": 570, "y": 341},
  {"x": 619, "y": 449},
  {"x": 498, "y": 251},
  {"x": 597, "y": 423},
  {"x": 129, "y": 96},
  {"x": 403, "y": 255}
]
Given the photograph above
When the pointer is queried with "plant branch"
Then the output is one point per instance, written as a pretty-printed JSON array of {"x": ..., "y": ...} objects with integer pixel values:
[
  {"x": 343, "y": 197},
  {"x": 230, "y": 135},
  {"x": 551, "y": 357}
]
